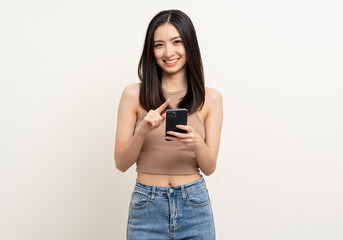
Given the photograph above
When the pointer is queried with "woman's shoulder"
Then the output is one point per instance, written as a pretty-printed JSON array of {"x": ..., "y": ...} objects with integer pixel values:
[
  {"x": 132, "y": 90},
  {"x": 131, "y": 94},
  {"x": 212, "y": 96},
  {"x": 213, "y": 100}
]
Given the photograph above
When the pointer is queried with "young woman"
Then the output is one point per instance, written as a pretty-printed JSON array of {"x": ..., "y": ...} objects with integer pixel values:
[{"x": 170, "y": 198}]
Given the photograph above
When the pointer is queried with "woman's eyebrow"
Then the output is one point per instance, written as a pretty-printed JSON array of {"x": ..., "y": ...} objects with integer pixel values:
[{"x": 170, "y": 39}]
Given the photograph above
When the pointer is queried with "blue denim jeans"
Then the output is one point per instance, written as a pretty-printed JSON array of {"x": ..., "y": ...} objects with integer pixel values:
[{"x": 176, "y": 212}]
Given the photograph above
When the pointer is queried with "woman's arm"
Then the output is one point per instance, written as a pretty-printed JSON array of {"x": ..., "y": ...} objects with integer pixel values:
[
  {"x": 128, "y": 144},
  {"x": 205, "y": 151}
]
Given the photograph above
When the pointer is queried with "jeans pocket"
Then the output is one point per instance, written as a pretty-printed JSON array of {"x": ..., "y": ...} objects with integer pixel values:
[
  {"x": 139, "y": 200},
  {"x": 198, "y": 197}
]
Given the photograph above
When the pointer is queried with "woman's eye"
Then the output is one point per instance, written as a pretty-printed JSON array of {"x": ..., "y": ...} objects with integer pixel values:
[
  {"x": 177, "y": 42},
  {"x": 158, "y": 45}
]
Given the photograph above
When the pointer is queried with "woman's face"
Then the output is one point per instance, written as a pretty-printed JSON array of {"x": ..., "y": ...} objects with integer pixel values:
[{"x": 169, "y": 51}]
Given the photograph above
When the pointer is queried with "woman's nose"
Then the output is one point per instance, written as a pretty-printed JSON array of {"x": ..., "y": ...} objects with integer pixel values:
[{"x": 168, "y": 51}]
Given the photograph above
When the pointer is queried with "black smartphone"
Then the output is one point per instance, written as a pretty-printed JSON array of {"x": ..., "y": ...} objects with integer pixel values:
[{"x": 175, "y": 117}]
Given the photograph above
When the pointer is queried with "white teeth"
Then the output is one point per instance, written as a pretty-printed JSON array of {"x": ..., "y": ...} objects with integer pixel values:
[{"x": 171, "y": 61}]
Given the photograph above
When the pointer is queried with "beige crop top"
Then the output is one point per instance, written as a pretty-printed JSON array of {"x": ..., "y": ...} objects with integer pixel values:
[{"x": 159, "y": 156}]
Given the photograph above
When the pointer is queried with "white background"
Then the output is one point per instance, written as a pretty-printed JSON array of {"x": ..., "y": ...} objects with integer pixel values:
[{"x": 278, "y": 65}]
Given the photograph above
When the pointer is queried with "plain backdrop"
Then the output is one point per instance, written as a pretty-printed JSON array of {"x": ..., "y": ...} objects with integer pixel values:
[{"x": 277, "y": 64}]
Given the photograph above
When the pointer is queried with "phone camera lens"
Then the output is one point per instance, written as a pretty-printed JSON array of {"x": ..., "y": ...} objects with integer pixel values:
[{"x": 171, "y": 114}]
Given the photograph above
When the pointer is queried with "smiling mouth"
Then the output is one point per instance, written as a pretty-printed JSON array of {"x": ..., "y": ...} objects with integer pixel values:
[{"x": 171, "y": 61}]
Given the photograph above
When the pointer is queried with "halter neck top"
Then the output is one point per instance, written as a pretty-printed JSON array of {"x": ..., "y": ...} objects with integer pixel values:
[{"x": 158, "y": 156}]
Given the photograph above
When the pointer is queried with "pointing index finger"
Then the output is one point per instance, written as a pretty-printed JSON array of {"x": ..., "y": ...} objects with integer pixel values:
[{"x": 163, "y": 106}]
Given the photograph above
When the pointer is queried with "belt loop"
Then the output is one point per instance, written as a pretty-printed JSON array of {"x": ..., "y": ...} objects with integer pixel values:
[
  {"x": 183, "y": 192},
  {"x": 153, "y": 193}
]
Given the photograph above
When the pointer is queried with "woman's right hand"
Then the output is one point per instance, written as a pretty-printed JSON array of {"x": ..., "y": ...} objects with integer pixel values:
[{"x": 154, "y": 118}]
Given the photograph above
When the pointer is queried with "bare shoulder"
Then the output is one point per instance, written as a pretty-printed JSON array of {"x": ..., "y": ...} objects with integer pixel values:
[
  {"x": 213, "y": 101},
  {"x": 213, "y": 95},
  {"x": 213, "y": 98},
  {"x": 130, "y": 95},
  {"x": 132, "y": 90}
]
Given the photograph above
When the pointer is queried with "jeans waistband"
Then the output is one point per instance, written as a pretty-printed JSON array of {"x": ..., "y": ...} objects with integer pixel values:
[{"x": 175, "y": 190}]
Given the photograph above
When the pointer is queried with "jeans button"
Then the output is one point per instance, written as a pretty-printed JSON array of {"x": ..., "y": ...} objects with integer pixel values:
[{"x": 171, "y": 190}]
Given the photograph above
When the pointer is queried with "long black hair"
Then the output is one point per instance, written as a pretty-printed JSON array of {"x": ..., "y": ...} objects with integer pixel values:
[{"x": 151, "y": 95}]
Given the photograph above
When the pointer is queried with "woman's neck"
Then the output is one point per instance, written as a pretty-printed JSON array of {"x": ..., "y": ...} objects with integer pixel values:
[{"x": 174, "y": 82}]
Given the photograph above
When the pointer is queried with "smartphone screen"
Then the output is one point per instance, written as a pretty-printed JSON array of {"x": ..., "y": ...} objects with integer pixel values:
[{"x": 175, "y": 117}]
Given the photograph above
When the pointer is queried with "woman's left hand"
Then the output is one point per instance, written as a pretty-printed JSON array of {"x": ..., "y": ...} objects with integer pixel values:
[{"x": 191, "y": 138}]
